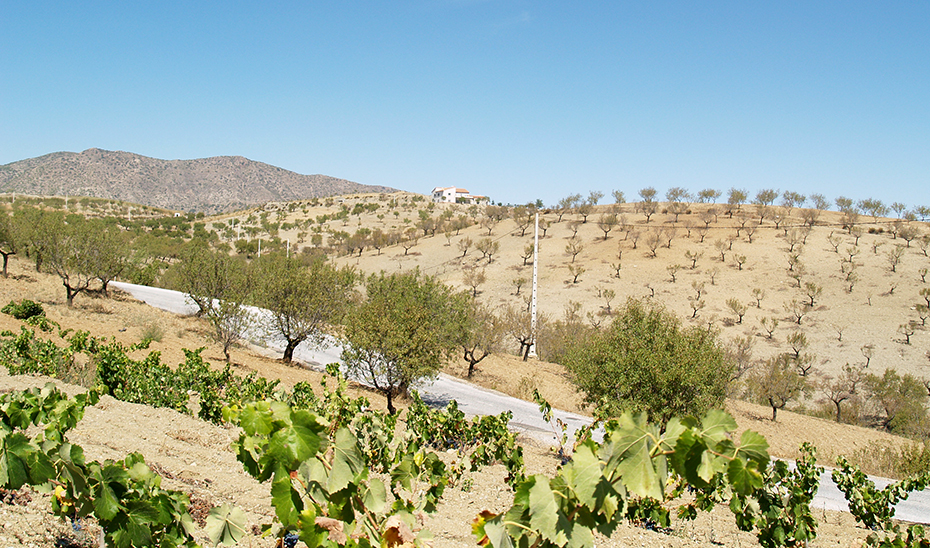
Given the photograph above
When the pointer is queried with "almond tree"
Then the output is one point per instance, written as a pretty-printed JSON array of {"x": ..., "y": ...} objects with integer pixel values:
[
  {"x": 735, "y": 199},
  {"x": 463, "y": 245},
  {"x": 648, "y": 205},
  {"x": 112, "y": 253},
  {"x": 708, "y": 195},
  {"x": 607, "y": 222},
  {"x": 77, "y": 255},
  {"x": 404, "y": 330},
  {"x": 303, "y": 300},
  {"x": 574, "y": 247},
  {"x": 777, "y": 382},
  {"x": 485, "y": 334},
  {"x": 901, "y": 399},
  {"x": 474, "y": 278},
  {"x": 7, "y": 240},
  {"x": 646, "y": 361},
  {"x": 842, "y": 388},
  {"x": 220, "y": 286}
]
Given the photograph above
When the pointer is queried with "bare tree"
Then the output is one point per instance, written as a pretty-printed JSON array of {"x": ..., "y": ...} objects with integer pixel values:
[
  {"x": 527, "y": 253},
  {"x": 813, "y": 291},
  {"x": 654, "y": 240},
  {"x": 737, "y": 308},
  {"x": 576, "y": 270},
  {"x": 758, "y": 294},
  {"x": 574, "y": 247},
  {"x": 693, "y": 256},
  {"x": 894, "y": 257},
  {"x": 463, "y": 245},
  {"x": 842, "y": 388},
  {"x": 485, "y": 335},
  {"x": 474, "y": 278},
  {"x": 607, "y": 222},
  {"x": 769, "y": 324}
]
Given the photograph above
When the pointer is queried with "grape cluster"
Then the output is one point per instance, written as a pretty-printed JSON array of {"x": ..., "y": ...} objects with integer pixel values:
[{"x": 290, "y": 540}]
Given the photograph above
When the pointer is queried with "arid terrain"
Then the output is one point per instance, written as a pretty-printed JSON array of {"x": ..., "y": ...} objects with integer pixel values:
[
  {"x": 195, "y": 457},
  {"x": 211, "y": 185}
]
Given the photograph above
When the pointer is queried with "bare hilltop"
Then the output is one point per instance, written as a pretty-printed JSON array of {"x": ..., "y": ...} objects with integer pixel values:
[{"x": 209, "y": 185}]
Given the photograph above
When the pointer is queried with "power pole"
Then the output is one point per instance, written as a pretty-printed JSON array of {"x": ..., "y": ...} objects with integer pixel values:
[{"x": 532, "y": 352}]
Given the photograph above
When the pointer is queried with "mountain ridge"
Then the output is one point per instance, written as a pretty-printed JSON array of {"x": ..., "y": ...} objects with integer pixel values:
[{"x": 212, "y": 185}]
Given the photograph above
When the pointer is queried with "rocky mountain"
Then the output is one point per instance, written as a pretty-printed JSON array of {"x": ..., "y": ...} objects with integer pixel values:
[{"x": 211, "y": 185}]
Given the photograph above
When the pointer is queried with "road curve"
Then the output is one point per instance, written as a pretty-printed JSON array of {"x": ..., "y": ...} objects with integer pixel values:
[{"x": 475, "y": 400}]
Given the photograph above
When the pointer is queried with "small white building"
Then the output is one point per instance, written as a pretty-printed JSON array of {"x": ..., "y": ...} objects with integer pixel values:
[{"x": 453, "y": 195}]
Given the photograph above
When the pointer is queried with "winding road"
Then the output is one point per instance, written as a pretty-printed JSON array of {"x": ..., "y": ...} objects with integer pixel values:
[{"x": 475, "y": 400}]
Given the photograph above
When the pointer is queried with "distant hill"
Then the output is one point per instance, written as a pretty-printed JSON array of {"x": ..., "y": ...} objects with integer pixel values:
[{"x": 211, "y": 185}]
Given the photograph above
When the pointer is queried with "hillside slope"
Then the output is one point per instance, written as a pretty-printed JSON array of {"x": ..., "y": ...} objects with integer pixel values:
[{"x": 211, "y": 185}]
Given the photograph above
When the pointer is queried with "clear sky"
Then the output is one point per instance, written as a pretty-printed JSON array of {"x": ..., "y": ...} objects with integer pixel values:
[{"x": 516, "y": 100}]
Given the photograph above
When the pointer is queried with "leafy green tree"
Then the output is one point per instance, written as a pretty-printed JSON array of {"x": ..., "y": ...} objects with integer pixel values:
[
  {"x": 403, "y": 331},
  {"x": 112, "y": 256},
  {"x": 7, "y": 240},
  {"x": 302, "y": 299},
  {"x": 735, "y": 198},
  {"x": 37, "y": 230},
  {"x": 645, "y": 361},
  {"x": 708, "y": 195},
  {"x": 484, "y": 335},
  {"x": 777, "y": 382},
  {"x": 220, "y": 286},
  {"x": 72, "y": 254},
  {"x": 901, "y": 399}
]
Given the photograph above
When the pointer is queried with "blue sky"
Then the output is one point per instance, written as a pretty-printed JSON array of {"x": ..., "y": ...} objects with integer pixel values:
[{"x": 516, "y": 100}]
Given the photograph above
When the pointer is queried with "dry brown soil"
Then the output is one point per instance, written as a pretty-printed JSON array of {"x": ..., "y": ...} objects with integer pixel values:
[{"x": 196, "y": 458}]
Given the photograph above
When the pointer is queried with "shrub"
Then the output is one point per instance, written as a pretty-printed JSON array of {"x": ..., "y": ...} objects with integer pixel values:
[
  {"x": 24, "y": 310},
  {"x": 645, "y": 361}
]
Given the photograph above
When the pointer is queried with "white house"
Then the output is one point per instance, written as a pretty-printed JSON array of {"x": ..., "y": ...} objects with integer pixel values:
[{"x": 454, "y": 195}]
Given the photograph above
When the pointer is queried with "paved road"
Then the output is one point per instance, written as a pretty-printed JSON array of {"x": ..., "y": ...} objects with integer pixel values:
[{"x": 474, "y": 400}]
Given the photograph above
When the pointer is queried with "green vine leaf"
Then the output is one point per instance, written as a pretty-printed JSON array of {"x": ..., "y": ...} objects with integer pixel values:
[
  {"x": 544, "y": 512},
  {"x": 226, "y": 524}
]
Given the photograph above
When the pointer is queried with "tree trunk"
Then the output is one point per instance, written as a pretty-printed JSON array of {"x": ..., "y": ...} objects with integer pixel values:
[
  {"x": 289, "y": 350},
  {"x": 6, "y": 259},
  {"x": 838, "y": 414},
  {"x": 390, "y": 402},
  {"x": 69, "y": 295}
]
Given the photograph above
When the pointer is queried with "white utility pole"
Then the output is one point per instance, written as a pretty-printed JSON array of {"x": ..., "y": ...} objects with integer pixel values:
[
  {"x": 532, "y": 352},
  {"x": 288, "y": 248}
]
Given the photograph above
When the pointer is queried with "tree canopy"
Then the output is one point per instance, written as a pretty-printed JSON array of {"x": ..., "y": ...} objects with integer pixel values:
[
  {"x": 302, "y": 299},
  {"x": 403, "y": 331},
  {"x": 645, "y": 361}
]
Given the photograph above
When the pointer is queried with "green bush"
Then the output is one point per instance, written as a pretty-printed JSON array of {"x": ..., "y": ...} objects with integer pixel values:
[
  {"x": 645, "y": 361},
  {"x": 24, "y": 310}
]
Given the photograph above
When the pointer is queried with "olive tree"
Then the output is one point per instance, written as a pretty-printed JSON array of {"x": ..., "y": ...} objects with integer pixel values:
[
  {"x": 402, "y": 332},
  {"x": 646, "y": 361}
]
